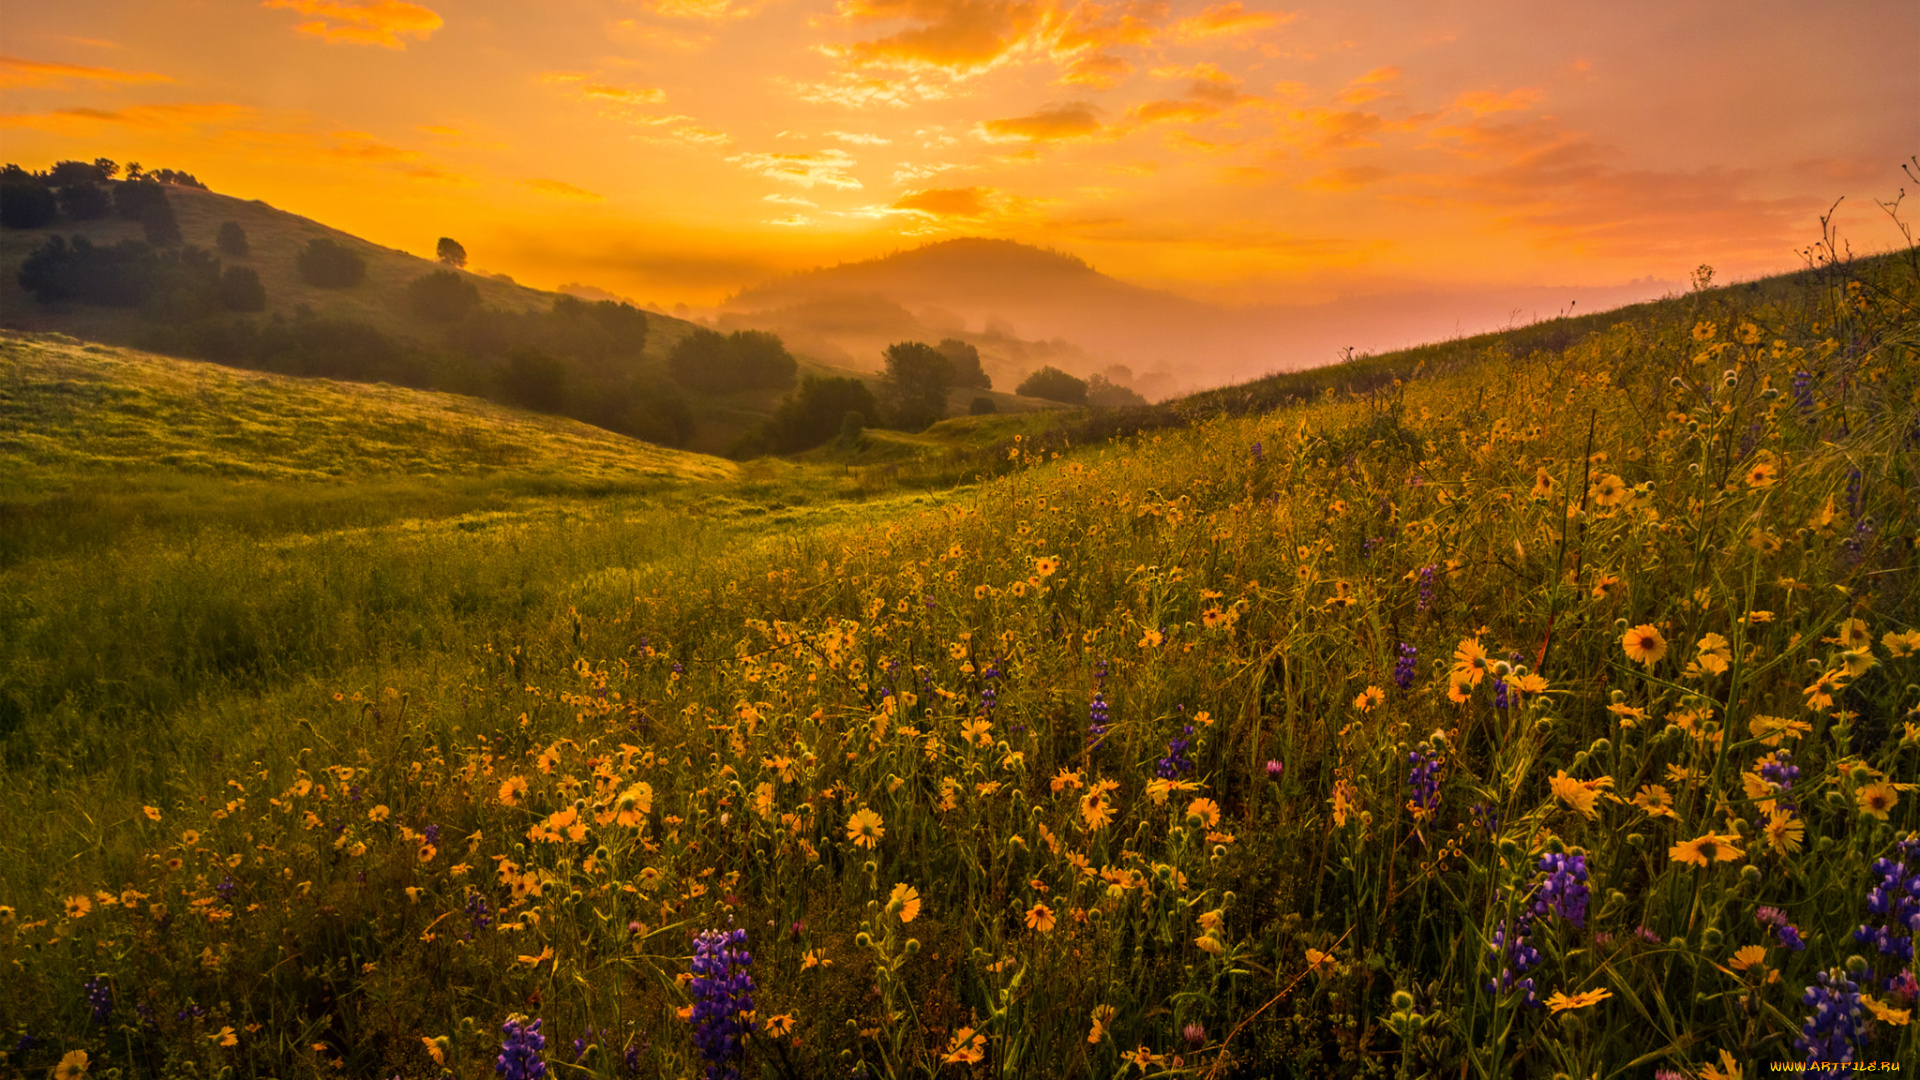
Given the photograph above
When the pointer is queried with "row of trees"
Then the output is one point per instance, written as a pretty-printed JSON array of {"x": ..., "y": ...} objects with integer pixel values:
[{"x": 175, "y": 284}]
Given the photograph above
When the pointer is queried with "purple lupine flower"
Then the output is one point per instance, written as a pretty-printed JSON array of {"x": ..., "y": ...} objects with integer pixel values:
[
  {"x": 100, "y": 998},
  {"x": 989, "y": 697},
  {"x": 1779, "y": 770},
  {"x": 1426, "y": 586},
  {"x": 520, "y": 1052},
  {"x": 1517, "y": 957},
  {"x": 1176, "y": 763},
  {"x": 722, "y": 993},
  {"x": 1403, "y": 667},
  {"x": 1803, "y": 391},
  {"x": 1097, "y": 713},
  {"x": 1832, "y": 1034},
  {"x": 1564, "y": 892},
  {"x": 1894, "y": 901},
  {"x": 1486, "y": 818},
  {"x": 1257, "y": 456},
  {"x": 1789, "y": 936},
  {"x": 1423, "y": 778}
]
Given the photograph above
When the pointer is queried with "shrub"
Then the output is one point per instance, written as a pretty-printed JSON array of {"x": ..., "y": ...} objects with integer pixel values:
[
  {"x": 534, "y": 380},
  {"x": 915, "y": 385},
  {"x": 240, "y": 290},
  {"x": 145, "y": 201},
  {"x": 967, "y": 371},
  {"x": 1054, "y": 385},
  {"x": 327, "y": 265},
  {"x": 231, "y": 240},
  {"x": 26, "y": 204},
  {"x": 718, "y": 363},
  {"x": 85, "y": 202},
  {"x": 443, "y": 296},
  {"x": 982, "y": 406}
]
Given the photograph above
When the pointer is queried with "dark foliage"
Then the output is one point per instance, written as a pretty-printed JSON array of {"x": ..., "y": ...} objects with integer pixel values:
[
  {"x": 25, "y": 203},
  {"x": 982, "y": 406},
  {"x": 914, "y": 388},
  {"x": 324, "y": 348},
  {"x": 726, "y": 363},
  {"x": 443, "y": 296},
  {"x": 73, "y": 173},
  {"x": 450, "y": 252},
  {"x": 145, "y": 201},
  {"x": 327, "y": 265},
  {"x": 600, "y": 335},
  {"x": 534, "y": 380},
  {"x": 1107, "y": 394},
  {"x": 1054, "y": 385},
  {"x": 967, "y": 371},
  {"x": 231, "y": 240},
  {"x": 240, "y": 290},
  {"x": 85, "y": 201},
  {"x": 817, "y": 412}
]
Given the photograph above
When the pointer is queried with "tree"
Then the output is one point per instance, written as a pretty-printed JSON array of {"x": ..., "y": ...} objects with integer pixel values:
[
  {"x": 915, "y": 384},
  {"x": 231, "y": 240},
  {"x": 982, "y": 406},
  {"x": 817, "y": 412},
  {"x": 716, "y": 363},
  {"x": 450, "y": 252},
  {"x": 1108, "y": 394},
  {"x": 329, "y": 266},
  {"x": 85, "y": 201},
  {"x": 240, "y": 290},
  {"x": 534, "y": 380},
  {"x": 967, "y": 371},
  {"x": 69, "y": 173},
  {"x": 145, "y": 201},
  {"x": 443, "y": 296},
  {"x": 1054, "y": 385},
  {"x": 25, "y": 203}
]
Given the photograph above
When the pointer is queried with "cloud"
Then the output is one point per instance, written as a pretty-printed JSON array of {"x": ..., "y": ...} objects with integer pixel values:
[
  {"x": 1336, "y": 129},
  {"x": 435, "y": 172},
  {"x": 1231, "y": 18},
  {"x": 794, "y": 220},
  {"x": 633, "y": 30},
  {"x": 15, "y": 71},
  {"x": 1210, "y": 92},
  {"x": 1486, "y": 102},
  {"x": 182, "y": 117},
  {"x": 1368, "y": 87},
  {"x": 701, "y": 9},
  {"x": 789, "y": 200},
  {"x": 561, "y": 190},
  {"x": 1346, "y": 178},
  {"x": 372, "y": 22},
  {"x": 852, "y": 90},
  {"x": 603, "y": 92},
  {"x": 1071, "y": 120},
  {"x": 1101, "y": 71},
  {"x": 909, "y": 171},
  {"x": 824, "y": 168},
  {"x": 360, "y": 146},
  {"x": 860, "y": 140},
  {"x": 967, "y": 202},
  {"x": 960, "y": 37}
]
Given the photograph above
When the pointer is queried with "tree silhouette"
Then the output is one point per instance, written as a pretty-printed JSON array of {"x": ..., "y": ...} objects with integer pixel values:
[
  {"x": 231, "y": 240},
  {"x": 329, "y": 266},
  {"x": 534, "y": 380},
  {"x": 25, "y": 203},
  {"x": 85, "y": 201},
  {"x": 915, "y": 385},
  {"x": 450, "y": 252},
  {"x": 443, "y": 296},
  {"x": 967, "y": 371},
  {"x": 240, "y": 290},
  {"x": 1054, "y": 385},
  {"x": 819, "y": 411}
]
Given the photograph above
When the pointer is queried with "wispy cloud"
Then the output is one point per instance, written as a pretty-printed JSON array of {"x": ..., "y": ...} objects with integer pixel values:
[
  {"x": 967, "y": 202},
  {"x": 1070, "y": 120},
  {"x": 183, "y": 117},
  {"x": 560, "y": 190},
  {"x": 822, "y": 168},
  {"x": 15, "y": 71},
  {"x": 371, "y": 22},
  {"x": 1232, "y": 18}
]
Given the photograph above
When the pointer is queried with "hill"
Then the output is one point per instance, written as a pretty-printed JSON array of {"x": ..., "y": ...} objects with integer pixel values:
[
  {"x": 1539, "y": 709},
  {"x": 1024, "y": 306}
]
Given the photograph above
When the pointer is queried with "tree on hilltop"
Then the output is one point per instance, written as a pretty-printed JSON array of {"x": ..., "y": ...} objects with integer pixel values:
[
  {"x": 1053, "y": 384},
  {"x": 450, "y": 252},
  {"x": 25, "y": 202}
]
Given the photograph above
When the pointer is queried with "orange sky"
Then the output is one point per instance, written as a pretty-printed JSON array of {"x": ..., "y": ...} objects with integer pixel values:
[{"x": 676, "y": 150}]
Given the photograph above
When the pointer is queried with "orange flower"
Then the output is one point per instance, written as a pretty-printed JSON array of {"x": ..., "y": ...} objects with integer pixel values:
[
  {"x": 1560, "y": 1002},
  {"x": 1469, "y": 663},
  {"x": 1644, "y": 645},
  {"x": 512, "y": 789},
  {"x": 1040, "y": 917},
  {"x": 78, "y": 906},
  {"x": 909, "y": 900},
  {"x": 1703, "y": 850},
  {"x": 865, "y": 828},
  {"x": 1579, "y": 794},
  {"x": 967, "y": 1048},
  {"x": 1877, "y": 799},
  {"x": 1207, "y": 810},
  {"x": 1368, "y": 698}
]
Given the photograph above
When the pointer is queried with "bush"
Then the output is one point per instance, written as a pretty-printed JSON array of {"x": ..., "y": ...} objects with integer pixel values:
[
  {"x": 443, "y": 296},
  {"x": 982, "y": 406},
  {"x": 327, "y": 265},
  {"x": 240, "y": 290},
  {"x": 534, "y": 380},
  {"x": 967, "y": 371},
  {"x": 145, "y": 201},
  {"x": 26, "y": 204},
  {"x": 119, "y": 276},
  {"x": 1054, "y": 385},
  {"x": 231, "y": 240},
  {"x": 818, "y": 411},
  {"x": 718, "y": 363}
]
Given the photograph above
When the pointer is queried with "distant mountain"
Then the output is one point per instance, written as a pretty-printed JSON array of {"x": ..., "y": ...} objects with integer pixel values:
[{"x": 1023, "y": 306}]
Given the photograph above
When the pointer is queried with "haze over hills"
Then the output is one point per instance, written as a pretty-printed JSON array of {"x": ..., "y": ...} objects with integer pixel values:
[{"x": 1023, "y": 306}]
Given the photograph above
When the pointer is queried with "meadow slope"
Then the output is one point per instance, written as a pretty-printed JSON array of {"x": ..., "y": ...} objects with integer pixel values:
[{"x": 1538, "y": 711}]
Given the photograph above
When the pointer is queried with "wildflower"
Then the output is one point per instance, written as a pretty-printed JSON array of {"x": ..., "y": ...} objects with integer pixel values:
[
  {"x": 1426, "y": 588},
  {"x": 1886, "y": 1014},
  {"x": 1785, "y": 832},
  {"x": 1206, "y": 810},
  {"x": 72, "y": 1066},
  {"x": 1318, "y": 962},
  {"x": 908, "y": 899},
  {"x": 1542, "y": 484},
  {"x": 1609, "y": 490},
  {"x": 1560, "y": 1002},
  {"x": 1747, "y": 956},
  {"x": 1516, "y": 956},
  {"x": 1176, "y": 760},
  {"x": 1195, "y": 1035},
  {"x": 520, "y": 1052},
  {"x": 1369, "y": 698},
  {"x": 224, "y": 1037},
  {"x": 1644, "y": 645},
  {"x": 1789, "y": 936},
  {"x": 1065, "y": 780},
  {"x": 1579, "y": 794},
  {"x": 1403, "y": 668},
  {"x": 512, "y": 790},
  {"x": 1275, "y": 770},
  {"x": 1469, "y": 663},
  {"x": 1102, "y": 1016},
  {"x": 1046, "y": 566},
  {"x": 78, "y": 906},
  {"x": 1895, "y": 902},
  {"x": 1095, "y": 813},
  {"x": 1833, "y": 1032},
  {"x": 153, "y": 812},
  {"x": 1424, "y": 779},
  {"x": 1604, "y": 585},
  {"x": 1704, "y": 330},
  {"x": 1564, "y": 892},
  {"x": 865, "y": 828},
  {"x": 722, "y": 1000},
  {"x": 968, "y": 1048},
  {"x": 1144, "y": 1057},
  {"x": 1820, "y": 692},
  {"x": 1040, "y": 917},
  {"x": 1728, "y": 1069},
  {"x": 1703, "y": 850},
  {"x": 1877, "y": 799},
  {"x": 1762, "y": 475},
  {"x": 99, "y": 999},
  {"x": 1714, "y": 654}
]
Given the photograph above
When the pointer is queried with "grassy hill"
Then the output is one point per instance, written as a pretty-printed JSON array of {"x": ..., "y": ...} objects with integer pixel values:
[{"x": 1549, "y": 710}]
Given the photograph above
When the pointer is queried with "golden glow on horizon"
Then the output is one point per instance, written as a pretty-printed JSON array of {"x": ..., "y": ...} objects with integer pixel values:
[{"x": 677, "y": 150}]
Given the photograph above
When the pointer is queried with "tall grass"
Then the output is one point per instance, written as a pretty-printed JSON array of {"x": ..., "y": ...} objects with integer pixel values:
[{"x": 1431, "y": 729}]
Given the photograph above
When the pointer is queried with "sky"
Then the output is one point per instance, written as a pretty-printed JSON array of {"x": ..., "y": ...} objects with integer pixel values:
[{"x": 676, "y": 151}]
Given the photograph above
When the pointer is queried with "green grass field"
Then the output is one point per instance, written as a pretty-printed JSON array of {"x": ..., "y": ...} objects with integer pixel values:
[{"x": 1534, "y": 706}]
